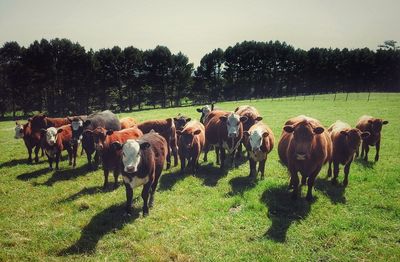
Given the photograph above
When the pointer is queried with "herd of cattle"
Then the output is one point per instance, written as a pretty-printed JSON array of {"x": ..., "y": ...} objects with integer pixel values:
[{"x": 139, "y": 150}]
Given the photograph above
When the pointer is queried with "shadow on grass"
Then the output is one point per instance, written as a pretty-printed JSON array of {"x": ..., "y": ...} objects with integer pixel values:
[
  {"x": 86, "y": 191},
  {"x": 34, "y": 174},
  {"x": 241, "y": 184},
  {"x": 109, "y": 220},
  {"x": 365, "y": 164},
  {"x": 167, "y": 181},
  {"x": 66, "y": 174},
  {"x": 334, "y": 192},
  {"x": 283, "y": 211},
  {"x": 211, "y": 174}
]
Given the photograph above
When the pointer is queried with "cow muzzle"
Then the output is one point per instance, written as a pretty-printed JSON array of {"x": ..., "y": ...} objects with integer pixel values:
[
  {"x": 130, "y": 169},
  {"x": 301, "y": 156}
]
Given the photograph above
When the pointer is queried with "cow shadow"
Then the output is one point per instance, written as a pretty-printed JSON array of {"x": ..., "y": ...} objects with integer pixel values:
[
  {"x": 241, "y": 184},
  {"x": 334, "y": 192},
  {"x": 85, "y": 192},
  {"x": 365, "y": 164},
  {"x": 66, "y": 174},
  {"x": 33, "y": 174},
  {"x": 167, "y": 181},
  {"x": 109, "y": 220},
  {"x": 283, "y": 211},
  {"x": 14, "y": 162},
  {"x": 211, "y": 174}
]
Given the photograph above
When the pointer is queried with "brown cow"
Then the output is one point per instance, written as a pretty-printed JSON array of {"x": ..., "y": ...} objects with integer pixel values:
[
  {"x": 111, "y": 159},
  {"x": 374, "y": 127},
  {"x": 304, "y": 147},
  {"x": 224, "y": 130},
  {"x": 191, "y": 142},
  {"x": 252, "y": 118},
  {"x": 127, "y": 122},
  {"x": 54, "y": 141},
  {"x": 42, "y": 121},
  {"x": 345, "y": 142},
  {"x": 31, "y": 141},
  {"x": 259, "y": 142},
  {"x": 165, "y": 128},
  {"x": 143, "y": 161}
]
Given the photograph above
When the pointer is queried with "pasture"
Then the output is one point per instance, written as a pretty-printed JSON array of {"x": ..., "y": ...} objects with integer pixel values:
[{"x": 215, "y": 216}]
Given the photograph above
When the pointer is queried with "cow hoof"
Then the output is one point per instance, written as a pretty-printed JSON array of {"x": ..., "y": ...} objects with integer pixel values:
[
  {"x": 309, "y": 198},
  {"x": 50, "y": 168},
  {"x": 376, "y": 158},
  {"x": 345, "y": 183},
  {"x": 36, "y": 160},
  {"x": 145, "y": 212},
  {"x": 334, "y": 182}
]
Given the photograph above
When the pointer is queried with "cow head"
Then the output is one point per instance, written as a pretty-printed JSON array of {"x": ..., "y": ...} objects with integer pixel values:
[
  {"x": 19, "y": 130},
  {"x": 353, "y": 137},
  {"x": 205, "y": 110},
  {"x": 38, "y": 122},
  {"x": 50, "y": 135},
  {"x": 303, "y": 135},
  {"x": 233, "y": 122},
  {"x": 87, "y": 140},
  {"x": 186, "y": 138},
  {"x": 99, "y": 138},
  {"x": 131, "y": 153},
  {"x": 256, "y": 138},
  {"x": 77, "y": 130},
  {"x": 376, "y": 125},
  {"x": 180, "y": 121}
]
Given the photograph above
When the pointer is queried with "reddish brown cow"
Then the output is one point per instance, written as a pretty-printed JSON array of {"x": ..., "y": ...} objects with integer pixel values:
[
  {"x": 224, "y": 130},
  {"x": 191, "y": 142},
  {"x": 42, "y": 121},
  {"x": 31, "y": 141},
  {"x": 345, "y": 142},
  {"x": 304, "y": 147},
  {"x": 143, "y": 161},
  {"x": 127, "y": 122},
  {"x": 54, "y": 141},
  {"x": 166, "y": 128},
  {"x": 259, "y": 142},
  {"x": 374, "y": 127},
  {"x": 111, "y": 158}
]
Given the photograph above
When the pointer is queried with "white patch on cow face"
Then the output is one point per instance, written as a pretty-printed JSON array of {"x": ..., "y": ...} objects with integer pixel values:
[
  {"x": 136, "y": 181},
  {"x": 256, "y": 138},
  {"x": 76, "y": 125},
  {"x": 232, "y": 124},
  {"x": 206, "y": 110},
  {"x": 19, "y": 131},
  {"x": 51, "y": 135},
  {"x": 131, "y": 156}
]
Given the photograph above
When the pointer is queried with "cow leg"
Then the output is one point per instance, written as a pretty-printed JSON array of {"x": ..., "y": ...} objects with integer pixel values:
[
  {"x": 74, "y": 153},
  {"x": 37, "y": 148},
  {"x": 358, "y": 151},
  {"x": 168, "y": 156},
  {"x": 175, "y": 153},
  {"x": 378, "y": 147},
  {"x": 330, "y": 168},
  {"x": 206, "y": 149},
  {"x": 129, "y": 197},
  {"x": 217, "y": 151},
  {"x": 362, "y": 149},
  {"x": 89, "y": 159},
  {"x": 310, "y": 183},
  {"x": 346, "y": 173},
  {"x": 366, "y": 148},
  {"x": 303, "y": 180},
  {"x": 223, "y": 154},
  {"x": 253, "y": 173},
  {"x": 58, "y": 154},
  {"x": 145, "y": 196},
  {"x": 335, "y": 173},
  {"x": 96, "y": 160},
  {"x": 261, "y": 167},
  {"x": 154, "y": 186},
  {"x": 294, "y": 181},
  {"x": 106, "y": 172},
  {"x": 116, "y": 174},
  {"x": 69, "y": 150},
  {"x": 239, "y": 151},
  {"x": 50, "y": 162},
  {"x": 183, "y": 163},
  {"x": 29, "y": 154}
]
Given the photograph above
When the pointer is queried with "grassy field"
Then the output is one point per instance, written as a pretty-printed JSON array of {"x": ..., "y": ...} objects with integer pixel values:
[{"x": 216, "y": 216}]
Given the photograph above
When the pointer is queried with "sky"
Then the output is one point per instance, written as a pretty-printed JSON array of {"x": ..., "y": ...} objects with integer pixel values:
[{"x": 198, "y": 27}]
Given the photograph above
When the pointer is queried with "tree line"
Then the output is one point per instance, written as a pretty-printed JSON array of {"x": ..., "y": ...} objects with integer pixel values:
[{"x": 60, "y": 77}]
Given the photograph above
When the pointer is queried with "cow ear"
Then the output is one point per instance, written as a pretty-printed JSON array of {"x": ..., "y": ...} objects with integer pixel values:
[
  {"x": 86, "y": 123},
  {"x": 365, "y": 134},
  {"x": 223, "y": 118},
  {"x": 188, "y": 119},
  {"x": 385, "y": 122},
  {"x": 343, "y": 133},
  {"x": 43, "y": 131},
  {"x": 179, "y": 132},
  {"x": 30, "y": 119},
  {"x": 246, "y": 133},
  {"x": 370, "y": 121},
  {"x": 109, "y": 132},
  {"x": 59, "y": 130},
  {"x": 259, "y": 118},
  {"x": 288, "y": 128},
  {"x": 16, "y": 123},
  {"x": 116, "y": 145},
  {"x": 243, "y": 119},
  {"x": 144, "y": 145},
  {"x": 199, "y": 110},
  {"x": 265, "y": 134},
  {"x": 175, "y": 119},
  {"x": 198, "y": 131},
  {"x": 319, "y": 130}
]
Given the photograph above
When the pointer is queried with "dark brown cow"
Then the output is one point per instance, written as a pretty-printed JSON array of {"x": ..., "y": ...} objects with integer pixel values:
[
  {"x": 54, "y": 141},
  {"x": 127, "y": 122},
  {"x": 224, "y": 130},
  {"x": 374, "y": 127},
  {"x": 31, "y": 141},
  {"x": 42, "y": 121},
  {"x": 259, "y": 142},
  {"x": 304, "y": 147},
  {"x": 143, "y": 161},
  {"x": 111, "y": 159},
  {"x": 345, "y": 142},
  {"x": 165, "y": 128},
  {"x": 252, "y": 118},
  {"x": 191, "y": 142}
]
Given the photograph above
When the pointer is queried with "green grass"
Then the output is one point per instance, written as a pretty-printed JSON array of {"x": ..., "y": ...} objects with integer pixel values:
[{"x": 216, "y": 216}]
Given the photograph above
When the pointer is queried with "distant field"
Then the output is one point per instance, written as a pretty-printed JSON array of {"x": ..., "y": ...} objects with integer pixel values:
[{"x": 64, "y": 215}]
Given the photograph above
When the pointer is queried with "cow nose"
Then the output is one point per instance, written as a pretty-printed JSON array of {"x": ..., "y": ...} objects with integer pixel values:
[
  {"x": 130, "y": 169},
  {"x": 232, "y": 134},
  {"x": 301, "y": 156}
]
